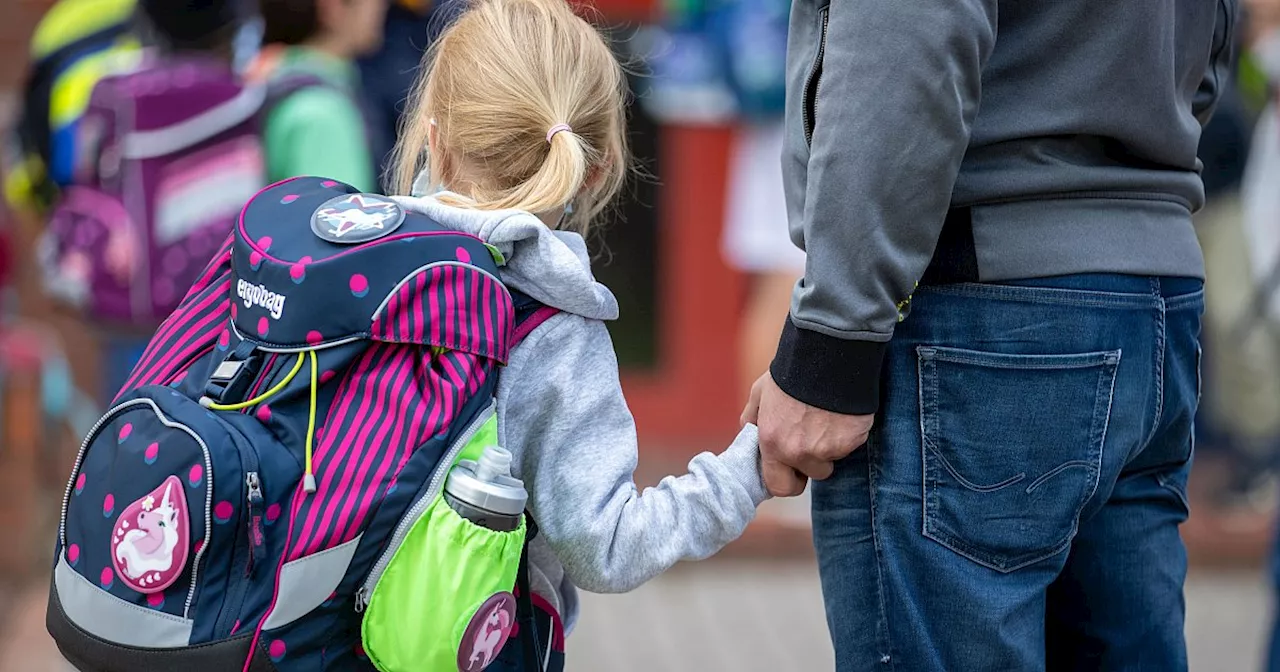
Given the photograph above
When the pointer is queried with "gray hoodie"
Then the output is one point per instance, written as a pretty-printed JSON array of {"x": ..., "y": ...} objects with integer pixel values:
[{"x": 562, "y": 414}]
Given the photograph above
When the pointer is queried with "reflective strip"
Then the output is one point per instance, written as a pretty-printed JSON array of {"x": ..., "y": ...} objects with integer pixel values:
[
  {"x": 110, "y": 618},
  {"x": 307, "y": 582},
  {"x": 69, "y": 97},
  {"x": 164, "y": 141}
]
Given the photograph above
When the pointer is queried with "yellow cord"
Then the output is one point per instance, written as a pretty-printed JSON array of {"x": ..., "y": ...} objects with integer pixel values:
[
  {"x": 309, "y": 479},
  {"x": 297, "y": 366}
]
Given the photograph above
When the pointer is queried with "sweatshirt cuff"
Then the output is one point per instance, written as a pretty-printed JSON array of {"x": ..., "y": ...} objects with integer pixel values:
[
  {"x": 742, "y": 460},
  {"x": 834, "y": 374}
]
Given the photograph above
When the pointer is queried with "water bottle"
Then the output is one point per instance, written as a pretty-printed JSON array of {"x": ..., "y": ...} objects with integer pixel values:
[{"x": 484, "y": 491}]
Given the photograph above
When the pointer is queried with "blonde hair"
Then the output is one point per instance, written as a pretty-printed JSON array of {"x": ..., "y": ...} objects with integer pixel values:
[{"x": 493, "y": 85}]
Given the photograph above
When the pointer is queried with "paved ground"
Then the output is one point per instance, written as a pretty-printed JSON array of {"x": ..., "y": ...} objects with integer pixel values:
[{"x": 755, "y": 617}]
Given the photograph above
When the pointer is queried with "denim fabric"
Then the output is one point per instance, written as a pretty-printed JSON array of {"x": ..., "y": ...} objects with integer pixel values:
[{"x": 1018, "y": 502}]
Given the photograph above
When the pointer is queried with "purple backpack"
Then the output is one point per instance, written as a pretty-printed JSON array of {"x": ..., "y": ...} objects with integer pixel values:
[{"x": 170, "y": 152}]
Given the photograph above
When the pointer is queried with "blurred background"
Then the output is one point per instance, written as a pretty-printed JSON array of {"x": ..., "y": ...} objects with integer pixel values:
[{"x": 697, "y": 253}]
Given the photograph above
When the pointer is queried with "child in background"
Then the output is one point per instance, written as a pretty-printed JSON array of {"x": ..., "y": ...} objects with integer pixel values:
[
  {"x": 520, "y": 115},
  {"x": 314, "y": 124}
]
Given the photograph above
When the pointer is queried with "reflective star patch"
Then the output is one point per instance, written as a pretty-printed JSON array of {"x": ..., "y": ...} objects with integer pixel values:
[{"x": 356, "y": 218}]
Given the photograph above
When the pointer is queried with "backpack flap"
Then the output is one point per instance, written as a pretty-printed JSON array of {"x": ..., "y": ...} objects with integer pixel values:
[{"x": 381, "y": 273}]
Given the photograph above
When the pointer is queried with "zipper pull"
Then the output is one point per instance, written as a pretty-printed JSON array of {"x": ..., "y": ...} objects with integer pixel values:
[
  {"x": 362, "y": 600},
  {"x": 257, "y": 540}
]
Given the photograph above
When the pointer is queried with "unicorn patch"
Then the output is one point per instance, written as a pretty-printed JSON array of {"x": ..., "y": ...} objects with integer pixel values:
[{"x": 152, "y": 538}]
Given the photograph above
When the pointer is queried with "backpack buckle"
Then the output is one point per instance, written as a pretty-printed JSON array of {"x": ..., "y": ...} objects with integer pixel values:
[{"x": 230, "y": 381}]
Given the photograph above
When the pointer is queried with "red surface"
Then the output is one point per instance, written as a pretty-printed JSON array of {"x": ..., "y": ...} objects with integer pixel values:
[
  {"x": 625, "y": 10},
  {"x": 693, "y": 395}
]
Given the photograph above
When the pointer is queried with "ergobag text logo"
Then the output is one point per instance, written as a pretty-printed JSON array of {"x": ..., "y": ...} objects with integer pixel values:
[{"x": 258, "y": 295}]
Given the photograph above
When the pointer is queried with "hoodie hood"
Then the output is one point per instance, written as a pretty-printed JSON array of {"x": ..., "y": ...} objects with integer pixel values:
[{"x": 552, "y": 267}]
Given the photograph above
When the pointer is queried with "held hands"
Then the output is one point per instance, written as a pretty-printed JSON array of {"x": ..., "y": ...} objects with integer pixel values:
[{"x": 798, "y": 441}]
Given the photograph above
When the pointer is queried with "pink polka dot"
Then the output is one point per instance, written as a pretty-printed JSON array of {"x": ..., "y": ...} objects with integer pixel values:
[
  {"x": 182, "y": 375},
  {"x": 289, "y": 199},
  {"x": 155, "y": 600},
  {"x": 360, "y": 651},
  {"x": 73, "y": 554},
  {"x": 273, "y": 513},
  {"x": 80, "y": 483},
  {"x": 233, "y": 310},
  {"x": 326, "y": 376},
  {"x": 197, "y": 473},
  {"x": 276, "y": 650},
  {"x": 314, "y": 338},
  {"x": 263, "y": 326},
  {"x": 224, "y": 339},
  {"x": 255, "y": 259},
  {"x": 107, "y": 578},
  {"x": 222, "y": 511},
  {"x": 463, "y": 255},
  {"x": 108, "y": 504},
  {"x": 152, "y": 452},
  {"x": 359, "y": 285},
  {"x": 263, "y": 413},
  {"x": 125, "y": 432},
  {"x": 328, "y": 183},
  {"x": 298, "y": 272},
  {"x": 265, "y": 242}
]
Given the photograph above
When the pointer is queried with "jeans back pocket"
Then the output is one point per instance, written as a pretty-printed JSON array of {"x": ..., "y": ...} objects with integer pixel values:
[{"x": 1012, "y": 449}]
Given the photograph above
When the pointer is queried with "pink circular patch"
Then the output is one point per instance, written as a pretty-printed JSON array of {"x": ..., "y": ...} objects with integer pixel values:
[
  {"x": 73, "y": 554},
  {"x": 265, "y": 242},
  {"x": 155, "y": 600},
  {"x": 182, "y": 375},
  {"x": 107, "y": 577},
  {"x": 263, "y": 326},
  {"x": 197, "y": 473},
  {"x": 233, "y": 310},
  {"x": 359, "y": 285},
  {"x": 80, "y": 483},
  {"x": 264, "y": 413},
  {"x": 314, "y": 338},
  {"x": 125, "y": 432},
  {"x": 488, "y": 630},
  {"x": 223, "y": 511},
  {"x": 289, "y": 199},
  {"x": 326, "y": 376},
  {"x": 108, "y": 504},
  {"x": 273, "y": 513},
  {"x": 276, "y": 650},
  {"x": 255, "y": 259},
  {"x": 298, "y": 272},
  {"x": 463, "y": 255},
  {"x": 328, "y": 183},
  {"x": 224, "y": 339},
  {"x": 152, "y": 452}
]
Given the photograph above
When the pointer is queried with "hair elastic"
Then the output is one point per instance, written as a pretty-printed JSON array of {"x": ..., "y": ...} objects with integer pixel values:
[{"x": 551, "y": 133}]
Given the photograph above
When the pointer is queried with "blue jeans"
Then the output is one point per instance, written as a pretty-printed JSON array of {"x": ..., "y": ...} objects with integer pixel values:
[{"x": 1018, "y": 502}]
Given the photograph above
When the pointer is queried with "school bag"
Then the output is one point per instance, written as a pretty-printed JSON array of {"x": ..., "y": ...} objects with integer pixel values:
[
  {"x": 169, "y": 151},
  {"x": 74, "y": 44},
  {"x": 265, "y": 494}
]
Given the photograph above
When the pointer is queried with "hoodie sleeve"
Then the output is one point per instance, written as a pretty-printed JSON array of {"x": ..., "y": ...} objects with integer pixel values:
[
  {"x": 563, "y": 415},
  {"x": 886, "y": 105}
]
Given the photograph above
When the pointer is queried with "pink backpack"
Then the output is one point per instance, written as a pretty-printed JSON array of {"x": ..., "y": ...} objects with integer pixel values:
[{"x": 170, "y": 153}]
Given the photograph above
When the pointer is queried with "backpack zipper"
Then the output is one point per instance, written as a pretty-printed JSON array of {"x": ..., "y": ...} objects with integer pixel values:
[{"x": 415, "y": 512}]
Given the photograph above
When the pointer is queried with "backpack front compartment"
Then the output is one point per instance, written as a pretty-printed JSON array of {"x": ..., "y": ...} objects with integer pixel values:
[{"x": 163, "y": 537}]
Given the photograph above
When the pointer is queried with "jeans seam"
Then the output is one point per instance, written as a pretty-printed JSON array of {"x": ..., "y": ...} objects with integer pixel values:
[
  {"x": 886, "y": 641},
  {"x": 1046, "y": 295},
  {"x": 1159, "y": 377}
]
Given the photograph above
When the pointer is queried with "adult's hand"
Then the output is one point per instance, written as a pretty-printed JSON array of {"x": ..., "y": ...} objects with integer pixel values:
[{"x": 799, "y": 441}]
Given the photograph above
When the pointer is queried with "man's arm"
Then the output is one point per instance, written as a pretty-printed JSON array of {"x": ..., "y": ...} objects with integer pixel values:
[{"x": 899, "y": 90}]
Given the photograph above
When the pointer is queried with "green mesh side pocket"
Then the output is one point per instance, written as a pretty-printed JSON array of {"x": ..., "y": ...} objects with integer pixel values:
[{"x": 444, "y": 602}]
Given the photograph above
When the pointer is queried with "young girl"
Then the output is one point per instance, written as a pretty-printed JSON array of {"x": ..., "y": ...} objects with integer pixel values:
[{"x": 519, "y": 122}]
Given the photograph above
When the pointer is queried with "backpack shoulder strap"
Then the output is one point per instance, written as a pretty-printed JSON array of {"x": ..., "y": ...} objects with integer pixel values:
[{"x": 530, "y": 314}]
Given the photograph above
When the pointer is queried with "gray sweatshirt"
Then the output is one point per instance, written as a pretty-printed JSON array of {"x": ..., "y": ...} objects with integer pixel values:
[
  {"x": 982, "y": 140},
  {"x": 562, "y": 414}
]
